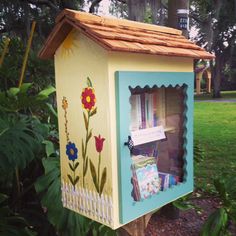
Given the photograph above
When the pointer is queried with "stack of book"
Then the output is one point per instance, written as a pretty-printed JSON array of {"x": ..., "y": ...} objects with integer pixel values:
[
  {"x": 167, "y": 180},
  {"x": 145, "y": 179},
  {"x": 144, "y": 111}
]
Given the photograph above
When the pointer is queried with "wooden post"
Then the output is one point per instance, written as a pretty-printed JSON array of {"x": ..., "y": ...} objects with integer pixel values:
[
  {"x": 26, "y": 54},
  {"x": 198, "y": 85},
  {"x": 208, "y": 88},
  {"x": 136, "y": 227}
]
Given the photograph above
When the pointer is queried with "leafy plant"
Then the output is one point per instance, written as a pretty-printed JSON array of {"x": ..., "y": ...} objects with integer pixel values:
[
  {"x": 218, "y": 222},
  {"x": 23, "y": 99},
  {"x": 65, "y": 221},
  {"x": 12, "y": 224},
  {"x": 20, "y": 138},
  {"x": 184, "y": 203}
]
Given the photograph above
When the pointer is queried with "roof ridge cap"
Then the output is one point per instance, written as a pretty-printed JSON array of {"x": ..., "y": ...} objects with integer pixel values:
[{"x": 84, "y": 16}]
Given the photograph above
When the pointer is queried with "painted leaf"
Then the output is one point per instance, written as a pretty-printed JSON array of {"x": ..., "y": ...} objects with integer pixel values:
[
  {"x": 85, "y": 121},
  {"x": 76, "y": 180},
  {"x": 71, "y": 180},
  {"x": 94, "y": 175},
  {"x": 71, "y": 167},
  {"x": 76, "y": 165},
  {"x": 86, "y": 166},
  {"x": 89, "y": 82},
  {"x": 89, "y": 135},
  {"x": 83, "y": 150},
  {"x": 103, "y": 180},
  {"x": 93, "y": 112}
]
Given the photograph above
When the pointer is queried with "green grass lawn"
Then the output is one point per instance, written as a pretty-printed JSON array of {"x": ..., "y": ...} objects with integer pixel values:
[
  {"x": 215, "y": 130},
  {"x": 224, "y": 94}
]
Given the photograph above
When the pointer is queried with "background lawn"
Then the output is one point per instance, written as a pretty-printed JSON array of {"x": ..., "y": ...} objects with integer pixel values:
[
  {"x": 225, "y": 95},
  {"x": 215, "y": 130}
]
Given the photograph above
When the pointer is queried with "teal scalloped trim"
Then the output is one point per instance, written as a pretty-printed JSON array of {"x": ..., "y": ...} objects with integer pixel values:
[{"x": 129, "y": 209}]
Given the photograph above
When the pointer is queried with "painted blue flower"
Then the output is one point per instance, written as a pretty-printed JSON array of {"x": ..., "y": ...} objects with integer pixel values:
[{"x": 71, "y": 151}]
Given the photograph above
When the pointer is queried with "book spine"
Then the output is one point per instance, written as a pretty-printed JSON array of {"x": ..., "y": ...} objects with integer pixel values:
[
  {"x": 136, "y": 191},
  {"x": 150, "y": 110},
  {"x": 143, "y": 111},
  {"x": 139, "y": 113},
  {"x": 155, "y": 114},
  {"x": 134, "y": 112}
]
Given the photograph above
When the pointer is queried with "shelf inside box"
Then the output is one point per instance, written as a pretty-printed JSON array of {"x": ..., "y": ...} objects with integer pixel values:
[{"x": 170, "y": 129}]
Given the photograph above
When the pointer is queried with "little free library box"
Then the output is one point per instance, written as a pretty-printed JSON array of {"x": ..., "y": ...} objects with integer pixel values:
[{"x": 125, "y": 109}]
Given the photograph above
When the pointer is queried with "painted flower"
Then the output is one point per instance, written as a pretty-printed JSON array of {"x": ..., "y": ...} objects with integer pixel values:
[
  {"x": 99, "y": 143},
  {"x": 71, "y": 151},
  {"x": 64, "y": 103},
  {"x": 88, "y": 98}
]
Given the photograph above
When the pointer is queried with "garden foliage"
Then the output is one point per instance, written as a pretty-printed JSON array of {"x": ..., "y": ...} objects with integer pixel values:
[{"x": 30, "y": 188}]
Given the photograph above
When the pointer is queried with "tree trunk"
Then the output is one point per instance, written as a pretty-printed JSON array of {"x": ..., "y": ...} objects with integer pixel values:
[
  {"x": 155, "y": 6},
  {"x": 217, "y": 76},
  {"x": 136, "y": 10},
  {"x": 178, "y": 12},
  {"x": 71, "y": 4},
  {"x": 162, "y": 14}
]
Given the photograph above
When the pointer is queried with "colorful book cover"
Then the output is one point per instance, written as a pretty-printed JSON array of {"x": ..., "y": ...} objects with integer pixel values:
[
  {"x": 147, "y": 177},
  {"x": 173, "y": 180}
]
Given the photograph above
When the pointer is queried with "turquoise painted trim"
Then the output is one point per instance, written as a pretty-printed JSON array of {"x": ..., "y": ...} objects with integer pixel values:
[{"x": 129, "y": 209}]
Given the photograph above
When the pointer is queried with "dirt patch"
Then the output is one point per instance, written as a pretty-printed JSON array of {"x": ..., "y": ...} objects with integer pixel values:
[{"x": 189, "y": 222}]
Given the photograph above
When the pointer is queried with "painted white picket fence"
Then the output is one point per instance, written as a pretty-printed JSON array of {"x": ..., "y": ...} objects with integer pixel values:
[{"x": 88, "y": 203}]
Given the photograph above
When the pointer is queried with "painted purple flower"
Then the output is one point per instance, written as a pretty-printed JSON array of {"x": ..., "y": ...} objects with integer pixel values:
[{"x": 71, "y": 151}]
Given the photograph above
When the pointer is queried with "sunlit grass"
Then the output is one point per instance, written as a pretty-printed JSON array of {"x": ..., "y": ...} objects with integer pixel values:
[{"x": 215, "y": 130}]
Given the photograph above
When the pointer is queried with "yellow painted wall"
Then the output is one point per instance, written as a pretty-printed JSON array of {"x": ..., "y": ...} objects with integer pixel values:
[{"x": 76, "y": 60}]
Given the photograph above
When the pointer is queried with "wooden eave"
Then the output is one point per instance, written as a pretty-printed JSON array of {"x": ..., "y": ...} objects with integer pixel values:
[{"x": 122, "y": 36}]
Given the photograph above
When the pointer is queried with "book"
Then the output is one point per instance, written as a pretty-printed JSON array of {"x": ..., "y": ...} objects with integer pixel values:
[
  {"x": 165, "y": 179},
  {"x": 143, "y": 110},
  {"x": 173, "y": 180},
  {"x": 149, "y": 109},
  {"x": 136, "y": 122},
  {"x": 146, "y": 150},
  {"x": 145, "y": 173},
  {"x": 155, "y": 114},
  {"x": 146, "y": 110}
]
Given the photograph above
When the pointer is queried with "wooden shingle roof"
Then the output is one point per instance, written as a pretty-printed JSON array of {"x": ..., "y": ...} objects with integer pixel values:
[{"x": 123, "y": 36}]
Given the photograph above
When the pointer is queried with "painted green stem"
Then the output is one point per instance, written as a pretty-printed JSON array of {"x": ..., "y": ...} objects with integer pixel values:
[
  {"x": 74, "y": 173},
  {"x": 85, "y": 149},
  {"x": 99, "y": 163}
]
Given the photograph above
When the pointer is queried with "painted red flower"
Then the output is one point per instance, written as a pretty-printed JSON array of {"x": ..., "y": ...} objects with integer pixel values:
[
  {"x": 88, "y": 98},
  {"x": 99, "y": 143}
]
